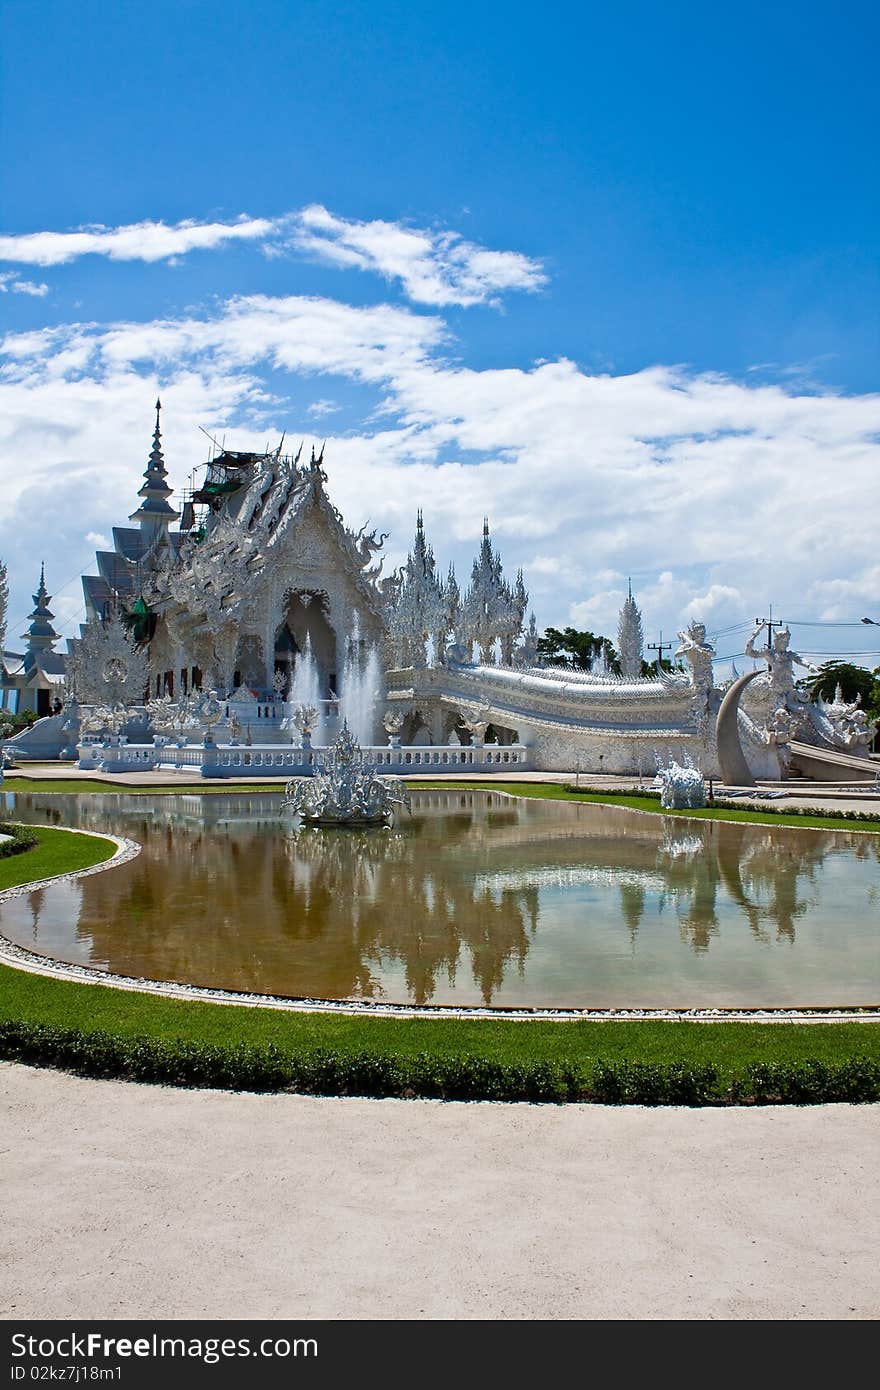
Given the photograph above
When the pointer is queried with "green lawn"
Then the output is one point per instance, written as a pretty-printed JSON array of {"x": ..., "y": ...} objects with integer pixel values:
[
  {"x": 56, "y": 852},
  {"x": 39, "y": 999}
]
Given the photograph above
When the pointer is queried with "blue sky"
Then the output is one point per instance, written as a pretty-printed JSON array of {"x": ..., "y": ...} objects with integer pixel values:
[{"x": 608, "y": 273}]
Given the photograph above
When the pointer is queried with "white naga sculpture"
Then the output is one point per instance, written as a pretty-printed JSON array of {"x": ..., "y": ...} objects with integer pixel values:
[
  {"x": 477, "y": 721},
  {"x": 853, "y": 730}
]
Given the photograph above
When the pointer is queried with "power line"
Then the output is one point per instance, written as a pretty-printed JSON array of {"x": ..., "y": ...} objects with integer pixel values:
[
  {"x": 790, "y": 622},
  {"x": 56, "y": 593},
  {"x": 726, "y": 631},
  {"x": 821, "y": 622},
  {"x": 834, "y": 651}
]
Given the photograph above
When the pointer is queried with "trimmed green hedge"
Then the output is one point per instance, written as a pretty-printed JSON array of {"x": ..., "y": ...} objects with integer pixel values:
[
  {"x": 320, "y": 1071},
  {"x": 23, "y": 837}
]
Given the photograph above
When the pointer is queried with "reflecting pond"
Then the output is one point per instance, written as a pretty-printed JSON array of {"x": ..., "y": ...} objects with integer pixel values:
[{"x": 476, "y": 898}]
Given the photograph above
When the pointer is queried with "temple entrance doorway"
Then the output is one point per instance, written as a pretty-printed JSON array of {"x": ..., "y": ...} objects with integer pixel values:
[
  {"x": 305, "y": 616},
  {"x": 286, "y": 652}
]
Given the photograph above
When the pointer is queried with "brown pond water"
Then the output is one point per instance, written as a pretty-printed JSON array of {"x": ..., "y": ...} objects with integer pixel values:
[{"x": 475, "y": 898}]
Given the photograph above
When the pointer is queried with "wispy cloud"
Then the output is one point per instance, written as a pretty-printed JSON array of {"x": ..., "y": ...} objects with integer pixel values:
[
  {"x": 139, "y": 241},
  {"x": 10, "y": 282},
  {"x": 434, "y": 267},
  {"x": 293, "y": 333},
  {"x": 439, "y": 268}
]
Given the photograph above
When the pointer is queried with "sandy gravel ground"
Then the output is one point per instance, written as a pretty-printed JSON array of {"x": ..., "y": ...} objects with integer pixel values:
[{"x": 136, "y": 1201}]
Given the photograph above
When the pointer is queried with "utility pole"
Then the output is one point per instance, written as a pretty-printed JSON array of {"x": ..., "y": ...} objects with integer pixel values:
[
  {"x": 659, "y": 647},
  {"x": 769, "y": 623}
]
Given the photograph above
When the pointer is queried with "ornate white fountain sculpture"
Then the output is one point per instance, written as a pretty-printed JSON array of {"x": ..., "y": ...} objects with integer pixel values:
[
  {"x": 346, "y": 791},
  {"x": 681, "y": 788}
]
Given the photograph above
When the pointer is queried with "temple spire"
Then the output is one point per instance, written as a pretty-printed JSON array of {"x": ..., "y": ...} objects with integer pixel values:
[
  {"x": 630, "y": 640},
  {"x": 41, "y": 635},
  {"x": 491, "y": 611},
  {"x": 155, "y": 512}
]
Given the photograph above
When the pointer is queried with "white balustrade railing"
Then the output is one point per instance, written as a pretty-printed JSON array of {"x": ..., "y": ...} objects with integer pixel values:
[
  {"x": 273, "y": 760},
  {"x": 451, "y": 758}
]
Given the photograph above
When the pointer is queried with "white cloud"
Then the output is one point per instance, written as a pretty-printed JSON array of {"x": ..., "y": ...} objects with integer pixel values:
[
  {"x": 717, "y": 496},
  {"x": 840, "y": 598},
  {"x": 10, "y": 282},
  {"x": 598, "y": 613},
  {"x": 434, "y": 267},
  {"x": 720, "y": 606},
  {"x": 140, "y": 241},
  {"x": 294, "y": 334}
]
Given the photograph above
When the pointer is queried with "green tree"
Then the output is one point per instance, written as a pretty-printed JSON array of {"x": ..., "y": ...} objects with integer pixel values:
[
  {"x": 853, "y": 681},
  {"x": 872, "y": 706},
  {"x": 576, "y": 650}
]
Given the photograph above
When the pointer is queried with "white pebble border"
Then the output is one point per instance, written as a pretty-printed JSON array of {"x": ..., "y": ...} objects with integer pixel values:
[
  {"x": 125, "y": 850},
  {"x": 31, "y": 961}
]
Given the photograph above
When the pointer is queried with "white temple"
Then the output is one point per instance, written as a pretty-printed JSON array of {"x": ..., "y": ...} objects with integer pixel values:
[{"x": 257, "y": 591}]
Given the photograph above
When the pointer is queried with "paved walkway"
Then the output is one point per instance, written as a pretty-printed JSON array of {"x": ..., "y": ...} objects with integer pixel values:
[{"x": 133, "y": 1201}]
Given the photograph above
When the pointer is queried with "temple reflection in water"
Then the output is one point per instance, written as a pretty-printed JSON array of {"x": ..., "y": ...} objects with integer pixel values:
[{"x": 474, "y": 898}]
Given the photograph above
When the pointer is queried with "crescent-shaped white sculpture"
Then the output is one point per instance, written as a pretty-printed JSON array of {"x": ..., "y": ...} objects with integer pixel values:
[{"x": 734, "y": 768}]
